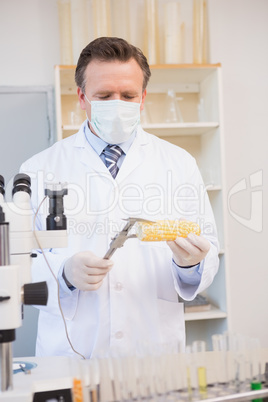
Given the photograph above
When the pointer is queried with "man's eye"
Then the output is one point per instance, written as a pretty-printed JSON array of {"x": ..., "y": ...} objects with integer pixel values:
[
  {"x": 104, "y": 97},
  {"x": 129, "y": 96}
]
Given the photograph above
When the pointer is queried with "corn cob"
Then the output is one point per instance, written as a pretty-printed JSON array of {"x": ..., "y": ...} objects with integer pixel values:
[
  {"x": 165, "y": 230},
  {"x": 77, "y": 391}
]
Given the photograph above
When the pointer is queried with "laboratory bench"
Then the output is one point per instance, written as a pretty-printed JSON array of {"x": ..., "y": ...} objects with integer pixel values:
[{"x": 43, "y": 379}]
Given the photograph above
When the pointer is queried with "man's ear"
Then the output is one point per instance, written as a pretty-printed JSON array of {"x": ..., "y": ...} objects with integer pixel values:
[
  {"x": 143, "y": 98},
  {"x": 81, "y": 98}
]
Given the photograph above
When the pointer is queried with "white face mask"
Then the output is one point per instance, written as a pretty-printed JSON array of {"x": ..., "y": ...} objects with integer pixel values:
[{"x": 114, "y": 121}]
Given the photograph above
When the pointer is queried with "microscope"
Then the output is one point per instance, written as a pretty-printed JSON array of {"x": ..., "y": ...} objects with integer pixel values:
[{"x": 17, "y": 242}]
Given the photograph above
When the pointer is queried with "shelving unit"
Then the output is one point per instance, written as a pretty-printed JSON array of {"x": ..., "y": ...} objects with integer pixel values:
[
  {"x": 68, "y": 112},
  {"x": 212, "y": 314},
  {"x": 199, "y": 130}
]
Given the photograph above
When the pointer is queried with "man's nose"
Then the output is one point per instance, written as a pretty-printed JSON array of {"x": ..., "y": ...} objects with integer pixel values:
[{"x": 117, "y": 97}]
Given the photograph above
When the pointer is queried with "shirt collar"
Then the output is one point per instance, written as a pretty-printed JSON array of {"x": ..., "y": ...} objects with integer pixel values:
[{"x": 98, "y": 144}]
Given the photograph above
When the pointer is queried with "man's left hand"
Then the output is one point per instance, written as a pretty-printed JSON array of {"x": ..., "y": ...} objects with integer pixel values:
[{"x": 190, "y": 250}]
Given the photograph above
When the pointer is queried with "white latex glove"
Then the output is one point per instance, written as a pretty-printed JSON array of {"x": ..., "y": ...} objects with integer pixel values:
[
  {"x": 190, "y": 250},
  {"x": 86, "y": 271}
]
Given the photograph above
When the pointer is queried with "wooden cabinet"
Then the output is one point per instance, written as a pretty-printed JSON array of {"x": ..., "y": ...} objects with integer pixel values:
[{"x": 183, "y": 106}]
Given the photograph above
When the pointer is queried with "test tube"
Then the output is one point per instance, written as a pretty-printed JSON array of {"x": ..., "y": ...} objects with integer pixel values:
[
  {"x": 220, "y": 359},
  {"x": 94, "y": 391},
  {"x": 236, "y": 344},
  {"x": 199, "y": 349},
  {"x": 190, "y": 378},
  {"x": 255, "y": 363}
]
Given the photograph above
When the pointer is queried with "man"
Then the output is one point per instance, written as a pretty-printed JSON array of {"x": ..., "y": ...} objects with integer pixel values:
[{"x": 115, "y": 305}]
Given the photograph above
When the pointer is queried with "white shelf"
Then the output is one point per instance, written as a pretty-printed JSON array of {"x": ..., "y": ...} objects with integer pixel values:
[
  {"x": 71, "y": 127},
  {"x": 177, "y": 129},
  {"x": 211, "y": 187},
  {"x": 171, "y": 129},
  {"x": 212, "y": 314}
]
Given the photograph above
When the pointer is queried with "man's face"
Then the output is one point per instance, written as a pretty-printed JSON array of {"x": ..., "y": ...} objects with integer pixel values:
[{"x": 110, "y": 81}]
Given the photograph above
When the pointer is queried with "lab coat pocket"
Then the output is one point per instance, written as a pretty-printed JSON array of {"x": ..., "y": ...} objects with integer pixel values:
[
  {"x": 171, "y": 318},
  {"x": 69, "y": 305}
]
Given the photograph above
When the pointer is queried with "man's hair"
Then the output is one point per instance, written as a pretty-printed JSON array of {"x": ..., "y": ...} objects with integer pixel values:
[{"x": 110, "y": 49}]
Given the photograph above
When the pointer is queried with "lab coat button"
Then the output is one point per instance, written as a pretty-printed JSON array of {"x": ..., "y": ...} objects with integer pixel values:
[
  {"x": 119, "y": 286},
  {"x": 119, "y": 335}
]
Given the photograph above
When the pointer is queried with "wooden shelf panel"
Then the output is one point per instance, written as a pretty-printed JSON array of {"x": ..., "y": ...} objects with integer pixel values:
[
  {"x": 186, "y": 73},
  {"x": 188, "y": 65}
]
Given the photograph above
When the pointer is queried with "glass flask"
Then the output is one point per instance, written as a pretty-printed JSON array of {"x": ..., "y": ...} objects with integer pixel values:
[{"x": 172, "y": 112}]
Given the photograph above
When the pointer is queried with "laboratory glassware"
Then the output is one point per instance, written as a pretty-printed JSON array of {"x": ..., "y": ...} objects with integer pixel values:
[{"x": 172, "y": 112}]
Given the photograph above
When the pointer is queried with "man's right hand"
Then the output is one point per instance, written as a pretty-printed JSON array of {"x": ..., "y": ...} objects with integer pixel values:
[{"x": 86, "y": 271}]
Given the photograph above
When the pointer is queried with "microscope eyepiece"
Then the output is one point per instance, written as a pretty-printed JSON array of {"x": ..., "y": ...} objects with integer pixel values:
[
  {"x": 21, "y": 182},
  {"x": 2, "y": 185},
  {"x": 2, "y": 215}
]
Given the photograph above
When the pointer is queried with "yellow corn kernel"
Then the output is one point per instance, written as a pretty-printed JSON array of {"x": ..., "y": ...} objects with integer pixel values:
[{"x": 165, "y": 230}]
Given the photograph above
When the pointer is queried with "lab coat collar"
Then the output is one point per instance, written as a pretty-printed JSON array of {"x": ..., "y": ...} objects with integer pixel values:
[
  {"x": 134, "y": 157},
  {"x": 81, "y": 141},
  {"x": 99, "y": 144}
]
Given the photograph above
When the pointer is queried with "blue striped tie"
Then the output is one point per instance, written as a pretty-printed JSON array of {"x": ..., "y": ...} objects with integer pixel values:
[{"x": 112, "y": 153}]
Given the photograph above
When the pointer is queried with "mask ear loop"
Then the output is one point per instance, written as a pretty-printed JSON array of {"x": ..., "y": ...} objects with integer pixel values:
[
  {"x": 90, "y": 105},
  {"x": 87, "y": 98}
]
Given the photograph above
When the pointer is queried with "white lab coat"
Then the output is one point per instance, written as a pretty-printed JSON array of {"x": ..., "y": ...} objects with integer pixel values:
[{"x": 137, "y": 303}]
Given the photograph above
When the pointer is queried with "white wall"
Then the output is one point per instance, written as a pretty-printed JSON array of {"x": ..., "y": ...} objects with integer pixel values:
[{"x": 29, "y": 43}]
